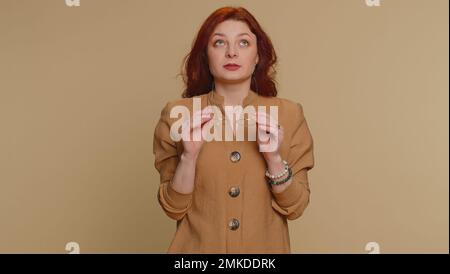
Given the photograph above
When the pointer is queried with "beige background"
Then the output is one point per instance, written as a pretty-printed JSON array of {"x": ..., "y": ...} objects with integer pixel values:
[{"x": 82, "y": 88}]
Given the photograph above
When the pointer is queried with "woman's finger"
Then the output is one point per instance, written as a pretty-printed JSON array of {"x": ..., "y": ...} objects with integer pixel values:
[
  {"x": 264, "y": 118},
  {"x": 200, "y": 119},
  {"x": 189, "y": 125},
  {"x": 270, "y": 127},
  {"x": 204, "y": 120}
]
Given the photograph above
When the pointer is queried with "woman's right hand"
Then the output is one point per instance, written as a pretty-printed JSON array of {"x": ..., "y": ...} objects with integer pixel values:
[{"x": 191, "y": 145}]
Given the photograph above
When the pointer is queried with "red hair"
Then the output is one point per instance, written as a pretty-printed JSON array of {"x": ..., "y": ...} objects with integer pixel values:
[{"x": 196, "y": 75}]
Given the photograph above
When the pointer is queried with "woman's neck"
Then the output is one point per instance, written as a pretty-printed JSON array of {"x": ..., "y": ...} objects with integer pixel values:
[{"x": 233, "y": 94}]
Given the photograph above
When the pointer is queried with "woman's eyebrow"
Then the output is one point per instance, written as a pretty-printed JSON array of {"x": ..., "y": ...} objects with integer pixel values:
[{"x": 240, "y": 34}]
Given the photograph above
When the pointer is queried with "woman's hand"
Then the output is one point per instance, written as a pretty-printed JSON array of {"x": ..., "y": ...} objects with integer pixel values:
[
  {"x": 270, "y": 132},
  {"x": 270, "y": 137},
  {"x": 192, "y": 137}
]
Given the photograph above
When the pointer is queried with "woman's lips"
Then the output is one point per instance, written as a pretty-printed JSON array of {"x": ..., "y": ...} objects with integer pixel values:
[{"x": 232, "y": 67}]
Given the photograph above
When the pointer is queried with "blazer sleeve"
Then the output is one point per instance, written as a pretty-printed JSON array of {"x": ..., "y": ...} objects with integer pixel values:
[
  {"x": 293, "y": 200},
  {"x": 174, "y": 204}
]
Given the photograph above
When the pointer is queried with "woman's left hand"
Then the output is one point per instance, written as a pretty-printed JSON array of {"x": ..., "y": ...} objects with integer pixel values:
[{"x": 270, "y": 136}]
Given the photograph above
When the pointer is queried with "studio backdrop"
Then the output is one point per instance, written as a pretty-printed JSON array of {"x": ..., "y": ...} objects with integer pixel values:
[{"x": 82, "y": 88}]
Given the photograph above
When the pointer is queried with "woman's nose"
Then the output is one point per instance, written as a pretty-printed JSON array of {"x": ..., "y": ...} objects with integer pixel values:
[{"x": 232, "y": 52}]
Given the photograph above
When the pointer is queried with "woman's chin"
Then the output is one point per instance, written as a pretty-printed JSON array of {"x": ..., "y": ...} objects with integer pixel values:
[{"x": 232, "y": 79}]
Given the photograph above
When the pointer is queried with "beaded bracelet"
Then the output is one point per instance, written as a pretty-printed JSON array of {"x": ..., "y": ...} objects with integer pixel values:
[
  {"x": 284, "y": 180},
  {"x": 279, "y": 175}
]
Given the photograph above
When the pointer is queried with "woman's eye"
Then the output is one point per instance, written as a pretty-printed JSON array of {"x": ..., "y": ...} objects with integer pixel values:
[
  {"x": 218, "y": 41},
  {"x": 244, "y": 43}
]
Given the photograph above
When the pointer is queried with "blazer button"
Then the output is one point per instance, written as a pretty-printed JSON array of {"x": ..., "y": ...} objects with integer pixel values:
[
  {"x": 234, "y": 191},
  {"x": 235, "y": 156},
  {"x": 233, "y": 224}
]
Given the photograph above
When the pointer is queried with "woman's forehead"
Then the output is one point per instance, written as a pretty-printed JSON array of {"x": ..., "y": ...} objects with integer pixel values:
[{"x": 232, "y": 28}]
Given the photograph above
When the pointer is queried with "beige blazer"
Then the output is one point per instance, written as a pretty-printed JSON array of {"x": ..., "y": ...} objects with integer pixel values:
[{"x": 232, "y": 208}]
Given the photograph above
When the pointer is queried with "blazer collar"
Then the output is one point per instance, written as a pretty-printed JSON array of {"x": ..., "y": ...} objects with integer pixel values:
[{"x": 218, "y": 100}]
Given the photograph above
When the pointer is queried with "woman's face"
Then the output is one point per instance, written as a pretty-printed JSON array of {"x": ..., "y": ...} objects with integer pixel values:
[{"x": 232, "y": 42}]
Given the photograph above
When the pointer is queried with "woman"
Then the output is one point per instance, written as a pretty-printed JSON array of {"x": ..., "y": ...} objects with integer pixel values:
[{"x": 232, "y": 196}]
